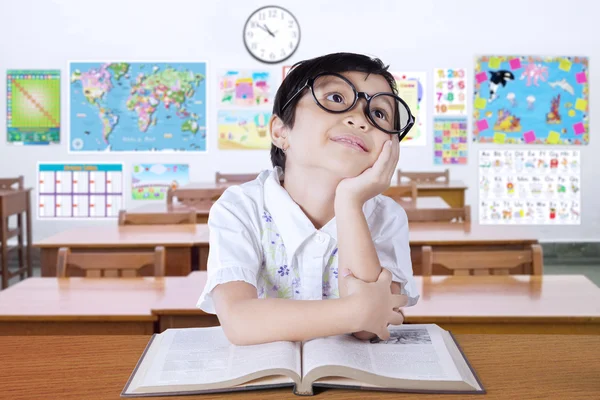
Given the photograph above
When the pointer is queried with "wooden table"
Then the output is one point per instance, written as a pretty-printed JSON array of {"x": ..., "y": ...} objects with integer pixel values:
[
  {"x": 465, "y": 237},
  {"x": 469, "y": 304},
  {"x": 452, "y": 192},
  {"x": 509, "y": 366},
  {"x": 202, "y": 211},
  {"x": 15, "y": 202},
  {"x": 178, "y": 241},
  {"x": 84, "y": 306}
]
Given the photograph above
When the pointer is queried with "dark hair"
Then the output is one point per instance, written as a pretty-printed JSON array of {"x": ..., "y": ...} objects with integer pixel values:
[{"x": 304, "y": 70}]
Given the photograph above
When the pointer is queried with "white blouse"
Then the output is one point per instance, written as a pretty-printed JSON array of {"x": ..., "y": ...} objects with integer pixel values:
[{"x": 259, "y": 235}]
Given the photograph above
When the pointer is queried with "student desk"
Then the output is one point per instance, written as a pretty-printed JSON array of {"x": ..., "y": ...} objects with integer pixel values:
[
  {"x": 509, "y": 366},
  {"x": 178, "y": 241},
  {"x": 202, "y": 211},
  {"x": 466, "y": 304},
  {"x": 465, "y": 237},
  {"x": 83, "y": 306},
  {"x": 15, "y": 202}
]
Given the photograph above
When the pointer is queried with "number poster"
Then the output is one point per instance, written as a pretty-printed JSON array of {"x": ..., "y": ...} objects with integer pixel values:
[{"x": 450, "y": 92}]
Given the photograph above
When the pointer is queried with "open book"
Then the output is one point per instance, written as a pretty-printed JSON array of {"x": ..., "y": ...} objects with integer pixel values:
[{"x": 416, "y": 358}]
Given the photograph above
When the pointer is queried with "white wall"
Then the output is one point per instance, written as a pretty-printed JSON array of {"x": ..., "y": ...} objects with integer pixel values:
[{"x": 409, "y": 35}]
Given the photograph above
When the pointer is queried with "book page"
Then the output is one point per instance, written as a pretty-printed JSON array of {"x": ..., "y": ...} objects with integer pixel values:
[
  {"x": 414, "y": 352},
  {"x": 205, "y": 355}
]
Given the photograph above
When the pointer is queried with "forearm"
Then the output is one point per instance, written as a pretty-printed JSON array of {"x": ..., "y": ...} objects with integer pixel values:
[
  {"x": 356, "y": 250},
  {"x": 257, "y": 321}
]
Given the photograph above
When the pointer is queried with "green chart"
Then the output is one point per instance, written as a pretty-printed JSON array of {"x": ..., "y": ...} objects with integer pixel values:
[{"x": 33, "y": 107}]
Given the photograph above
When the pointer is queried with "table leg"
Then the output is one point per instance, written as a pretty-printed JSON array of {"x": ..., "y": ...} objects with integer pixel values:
[
  {"x": 20, "y": 249},
  {"x": 4, "y": 255},
  {"x": 29, "y": 241}
]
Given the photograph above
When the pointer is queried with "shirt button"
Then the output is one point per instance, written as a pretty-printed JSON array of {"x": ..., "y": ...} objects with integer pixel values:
[{"x": 319, "y": 238}]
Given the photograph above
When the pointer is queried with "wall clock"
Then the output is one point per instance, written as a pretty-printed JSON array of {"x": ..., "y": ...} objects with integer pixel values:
[{"x": 271, "y": 34}]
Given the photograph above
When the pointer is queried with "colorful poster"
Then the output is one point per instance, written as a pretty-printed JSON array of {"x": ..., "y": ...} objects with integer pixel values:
[
  {"x": 137, "y": 106},
  {"x": 530, "y": 187},
  {"x": 450, "y": 92},
  {"x": 90, "y": 190},
  {"x": 33, "y": 106},
  {"x": 246, "y": 88},
  {"x": 244, "y": 130},
  {"x": 412, "y": 88},
  {"x": 450, "y": 140},
  {"x": 153, "y": 181},
  {"x": 531, "y": 100}
]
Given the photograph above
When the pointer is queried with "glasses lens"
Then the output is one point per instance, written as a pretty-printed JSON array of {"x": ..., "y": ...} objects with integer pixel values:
[
  {"x": 384, "y": 108},
  {"x": 333, "y": 93}
]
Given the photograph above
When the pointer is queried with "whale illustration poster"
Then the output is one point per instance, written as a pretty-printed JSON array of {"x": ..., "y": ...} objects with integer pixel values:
[
  {"x": 450, "y": 92},
  {"x": 531, "y": 100},
  {"x": 530, "y": 187}
]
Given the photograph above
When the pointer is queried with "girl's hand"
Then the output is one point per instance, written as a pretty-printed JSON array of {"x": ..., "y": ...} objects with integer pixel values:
[
  {"x": 374, "y": 180},
  {"x": 375, "y": 305}
]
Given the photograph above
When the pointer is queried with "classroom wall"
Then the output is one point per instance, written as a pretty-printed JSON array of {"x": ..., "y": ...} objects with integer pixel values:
[{"x": 408, "y": 35}]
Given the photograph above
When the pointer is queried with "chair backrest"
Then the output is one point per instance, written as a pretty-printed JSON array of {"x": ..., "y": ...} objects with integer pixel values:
[
  {"x": 492, "y": 262},
  {"x": 201, "y": 198},
  {"x": 234, "y": 178},
  {"x": 421, "y": 177},
  {"x": 8, "y": 183},
  {"x": 169, "y": 218},
  {"x": 404, "y": 194},
  {"x": 113, "y": 264},
  {"x": 462, "y": 214}
]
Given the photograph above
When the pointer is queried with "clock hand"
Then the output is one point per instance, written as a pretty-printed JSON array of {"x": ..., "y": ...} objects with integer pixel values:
[{"x": 270, "y": 33}]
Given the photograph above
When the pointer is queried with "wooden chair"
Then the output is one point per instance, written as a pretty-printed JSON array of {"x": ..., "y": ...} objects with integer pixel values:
[
  {"x": 406, "y": 194},
  {"x": 8, "y": 183},
  {"x": 421, "y": 177},
  {"x": 439, "y": 214},
  {"x": 494, "y": 262},
  {"x": 234, "y": 178},
  {"x": 168, "y": 218},
  {"x": 200, "y": 198},
  {"x": 114, "y": 265}
]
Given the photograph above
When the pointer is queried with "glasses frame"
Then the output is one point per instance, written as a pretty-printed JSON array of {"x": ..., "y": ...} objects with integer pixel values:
[{"x": 357, "y": 95}]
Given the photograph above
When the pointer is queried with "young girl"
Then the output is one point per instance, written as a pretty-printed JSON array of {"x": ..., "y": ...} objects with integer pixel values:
[{"x": 311, "y": 248}]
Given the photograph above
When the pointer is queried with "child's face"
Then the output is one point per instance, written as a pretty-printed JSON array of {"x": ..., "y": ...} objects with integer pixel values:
[{"x": 315, "y": 140}]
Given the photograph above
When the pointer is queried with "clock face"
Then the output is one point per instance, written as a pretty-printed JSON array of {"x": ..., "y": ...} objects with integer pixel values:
[{"x": 271, "y": 34}]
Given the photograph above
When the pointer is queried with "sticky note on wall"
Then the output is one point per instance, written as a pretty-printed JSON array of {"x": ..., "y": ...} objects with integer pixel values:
[
  {"x": 553, "y": 137},
  {"x": 494, "y": 62},
  {"x": 480, "y": 103},
  {"x": 581, "y": 104},
  {"x": 499, "y": 138},
  {"x": 564, "y": 65}
]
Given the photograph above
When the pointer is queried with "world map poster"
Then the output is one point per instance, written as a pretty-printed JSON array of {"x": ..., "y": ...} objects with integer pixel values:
[
  {"x": 137, "y": 106},
  {"x": 531, "y": 100}
]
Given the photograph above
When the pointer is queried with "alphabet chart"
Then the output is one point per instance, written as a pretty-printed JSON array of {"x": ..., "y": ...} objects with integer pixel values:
[
  {"x": 91, "y": 191},
  {"x": 450, "y": 92},
  {"x": 530, "y": 187}
]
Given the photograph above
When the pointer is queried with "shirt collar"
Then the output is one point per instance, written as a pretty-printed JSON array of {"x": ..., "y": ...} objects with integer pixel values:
[{"x": 293, "y": 225}]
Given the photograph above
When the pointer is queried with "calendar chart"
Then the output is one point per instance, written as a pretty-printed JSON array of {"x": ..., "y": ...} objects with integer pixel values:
[{"x": 91, "y": 191}]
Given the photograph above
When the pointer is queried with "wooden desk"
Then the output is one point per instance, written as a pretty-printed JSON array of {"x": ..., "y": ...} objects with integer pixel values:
[
  {"x": 509, "y": 366},
  {"x": 84, "y": 306},
  {"x": 547, "y": 304},
  {"x": 470, "y": 304},
  {"x": 15, "y": 202},
  {"x": 177, "y": 239},
  {"x": 452, "y": 192},
  {"x": 203, "y": 210},
  {"x": 465, "y": 237}
]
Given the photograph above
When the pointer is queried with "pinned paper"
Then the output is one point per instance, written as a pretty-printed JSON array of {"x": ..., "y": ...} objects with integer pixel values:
[
  {"x": 581, "y": 77},
  {"x": 515, "y": 63},
  {"x": 481, "y": 77},
  {"x": 499, "y": 138},
  {"x": 579, "y": 128},
  {"x": 553, "y": 137},
  {"x": 480, "y": 103},
  {"x": 494, "y": 62},
  {"x": 482, "y": 125},
  {"x": 581, "y": 105},
  {"x": 529, "y": 137},
  {"x": 564, "y": 65}
]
